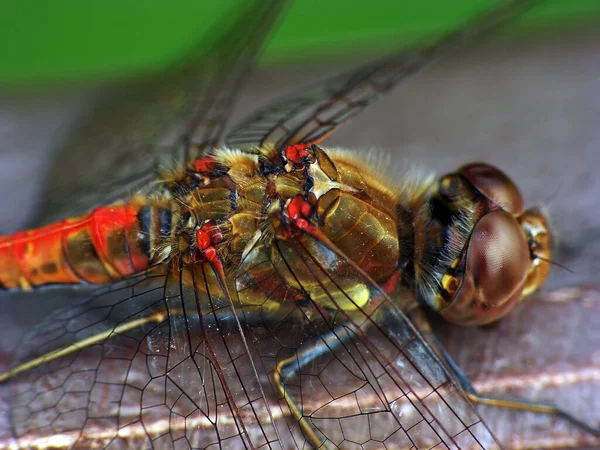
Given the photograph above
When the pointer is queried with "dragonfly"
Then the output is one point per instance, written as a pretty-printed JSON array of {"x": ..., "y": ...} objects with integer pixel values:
[{"x": 253, "y": 289}]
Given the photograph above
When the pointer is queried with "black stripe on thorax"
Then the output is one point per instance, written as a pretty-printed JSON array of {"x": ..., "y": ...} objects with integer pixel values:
[{"x": 165, "y": 216}]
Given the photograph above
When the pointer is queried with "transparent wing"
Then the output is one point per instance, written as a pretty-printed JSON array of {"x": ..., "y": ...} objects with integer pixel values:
[
  {"x": 346, "y": 362},
  {"x": 113, "y": 152},
  {"x": 145, "y": 372},
  {"x": 315, "y": 113},
  {"x": 158, "y": 361}
]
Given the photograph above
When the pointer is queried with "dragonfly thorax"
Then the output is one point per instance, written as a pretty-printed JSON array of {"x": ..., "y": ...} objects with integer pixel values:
[
  {"x": 249, "y": 198},
  {"x": 464, "y": 245}
]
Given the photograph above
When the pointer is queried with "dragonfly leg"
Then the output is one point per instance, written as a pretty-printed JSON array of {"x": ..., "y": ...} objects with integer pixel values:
[
  {"x": 500, "y": 402},
  {"x": 81, "y": 344},
  {"x": 287, "y": 368},
  {"x": 223, "y": 319}
]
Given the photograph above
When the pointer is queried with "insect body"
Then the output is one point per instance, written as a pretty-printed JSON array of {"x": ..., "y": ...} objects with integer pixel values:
[{"x": 465, "y": 244}]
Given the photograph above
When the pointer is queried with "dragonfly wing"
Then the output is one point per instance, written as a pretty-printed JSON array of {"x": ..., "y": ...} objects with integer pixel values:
[
  {"x": 313, "y": 352},
  {"x": 114, "y": 149},
  {"x": 345, "y": 361},
  {"x": 159, "y": 360},
  {"x": 136, "y": 368},
  {"x": 133, "y": 173},
  {"x": 314, "y": 113}
]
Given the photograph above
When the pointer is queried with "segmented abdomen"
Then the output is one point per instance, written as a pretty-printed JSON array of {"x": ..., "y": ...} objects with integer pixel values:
[{"x": 107, "y": 244}]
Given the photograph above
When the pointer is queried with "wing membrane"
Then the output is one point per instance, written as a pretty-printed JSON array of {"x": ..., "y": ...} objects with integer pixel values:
[
  {"x": 315, "y": 113},
  {"x": 159, "y": 361},
  {"x": 352, "y": 372},
  {"x": 153, "y": 381},
  {"x": 154, "y": 361},
  {"x": 114, "y": 149}
]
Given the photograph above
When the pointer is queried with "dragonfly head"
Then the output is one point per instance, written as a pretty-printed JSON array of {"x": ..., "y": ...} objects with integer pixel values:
[{"x": 505, "y": 257}]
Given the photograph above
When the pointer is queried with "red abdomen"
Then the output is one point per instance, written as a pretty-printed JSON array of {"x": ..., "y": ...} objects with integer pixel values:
[{"x": 107, "y": 244}]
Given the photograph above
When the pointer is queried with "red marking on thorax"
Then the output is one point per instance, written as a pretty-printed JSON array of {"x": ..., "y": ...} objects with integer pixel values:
[
  {"x": 207, "y": 237},
  {"x": 204, "y": 165},
  {"x": 392, "y": 283},
  {"x": 299, "y": 211},
  {"x": 296, "y": 153}
]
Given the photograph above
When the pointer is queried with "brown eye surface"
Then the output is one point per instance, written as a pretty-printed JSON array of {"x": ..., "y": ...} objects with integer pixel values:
[
  {"x": 495, "y": 185},
  {"x": 498, "y": 257},
  {"x": 496, "y": 268}
]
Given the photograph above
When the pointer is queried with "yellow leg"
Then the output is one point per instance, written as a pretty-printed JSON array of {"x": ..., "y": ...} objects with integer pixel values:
[
  {"x": 534, "y": 407},
  {"x": 541, "y": 408},
  {"x": 157, "y": 317},
  {"x": 287, "y": 368},
  {"x": 309, "y": 430}
]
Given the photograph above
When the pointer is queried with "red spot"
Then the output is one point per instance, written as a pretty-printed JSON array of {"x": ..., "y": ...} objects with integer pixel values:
[
  {"x": 299, "y": 208},
  {"x": 296, "y": 153},
  {"x": 202, "y": 239},
  {"x": 299, "y": 211},
  {"x": 204, "y": 165},
  {"x": 392, "y": 282},
  {"x": 306, "y": 209},
  {"x": 207, "y": 236},
  {"x": 210, "y": 253},
  {"x": 301, "y": 224},
  {"x": 293, "y": 209}
]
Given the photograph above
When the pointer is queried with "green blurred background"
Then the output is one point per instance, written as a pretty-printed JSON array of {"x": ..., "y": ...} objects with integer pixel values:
[{"x": 71, "y": 40}]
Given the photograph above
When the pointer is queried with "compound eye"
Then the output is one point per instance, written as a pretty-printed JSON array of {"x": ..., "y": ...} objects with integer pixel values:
[
  {"x": 495, "y": 185},
  {"x": 496, "y": 268},
  {"x": 498, "y": 257}
]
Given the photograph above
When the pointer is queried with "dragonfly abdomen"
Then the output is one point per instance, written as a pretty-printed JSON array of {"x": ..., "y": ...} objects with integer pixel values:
[{"x": 107, "y": 244}]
